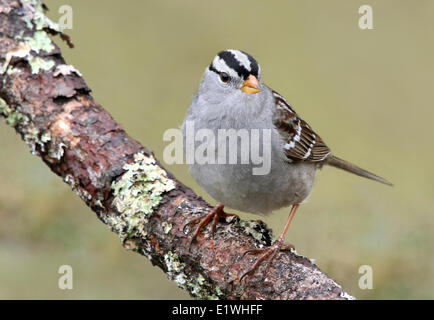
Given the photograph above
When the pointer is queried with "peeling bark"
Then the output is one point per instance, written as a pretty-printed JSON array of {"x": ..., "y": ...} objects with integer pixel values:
[{"x": 50, "y": 106}]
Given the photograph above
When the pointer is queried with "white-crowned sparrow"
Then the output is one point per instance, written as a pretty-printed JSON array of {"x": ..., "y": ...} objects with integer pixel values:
[{"x": 231, "y": 95}]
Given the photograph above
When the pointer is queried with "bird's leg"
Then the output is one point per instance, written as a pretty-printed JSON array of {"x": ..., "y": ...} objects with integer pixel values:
[
  {"x": 215, "y": 215},
  {"x": 271, "y": 251}
]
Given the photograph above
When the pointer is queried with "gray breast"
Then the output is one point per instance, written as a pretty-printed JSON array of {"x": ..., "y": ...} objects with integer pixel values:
[{"x": 235, "y": 185}]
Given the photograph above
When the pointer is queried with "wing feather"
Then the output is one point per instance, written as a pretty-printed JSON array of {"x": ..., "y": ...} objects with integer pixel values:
[{"x": 302, "y": 143}]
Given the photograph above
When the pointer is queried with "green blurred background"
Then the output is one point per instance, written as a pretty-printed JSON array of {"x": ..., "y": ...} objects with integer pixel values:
[{"x": 369, "y": 93}]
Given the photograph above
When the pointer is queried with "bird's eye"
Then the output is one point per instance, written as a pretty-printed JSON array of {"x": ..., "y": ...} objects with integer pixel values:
[{"x": 224, "y": 77}]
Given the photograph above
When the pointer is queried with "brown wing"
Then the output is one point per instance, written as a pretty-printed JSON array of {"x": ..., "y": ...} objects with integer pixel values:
[{"x": 302, "y": 143}]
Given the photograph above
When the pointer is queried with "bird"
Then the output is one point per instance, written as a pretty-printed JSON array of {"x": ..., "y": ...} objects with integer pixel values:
[{"x": 232, "y": 96}]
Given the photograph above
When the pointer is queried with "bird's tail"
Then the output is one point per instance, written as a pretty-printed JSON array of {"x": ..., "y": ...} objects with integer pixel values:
[{"x": 347, "y": 166}]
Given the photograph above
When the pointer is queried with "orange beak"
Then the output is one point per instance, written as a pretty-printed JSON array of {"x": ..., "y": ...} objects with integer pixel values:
[{"x": 250, "y": 85}]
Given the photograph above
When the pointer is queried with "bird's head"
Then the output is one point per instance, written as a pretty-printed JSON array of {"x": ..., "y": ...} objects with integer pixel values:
[{"x": 232, "y": 73}]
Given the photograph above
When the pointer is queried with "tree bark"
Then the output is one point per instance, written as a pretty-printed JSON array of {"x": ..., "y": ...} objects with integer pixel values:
[{"x": 50, "y": 106}]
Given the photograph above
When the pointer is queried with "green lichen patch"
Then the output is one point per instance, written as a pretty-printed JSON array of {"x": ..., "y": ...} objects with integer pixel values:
[
  {"x": 137, "y": 193},
  {"x": 254, "y": 229},
  {"x": 40, "y": 41},
  {"x": 36, "y": 139},
  {"x": 198, "y": 286},
  {"x": 13, "y": 118},
  {"x": 37, "y": 64},
  {"x": 39, "y": 20},
  {"x": 167, "y": 226}
]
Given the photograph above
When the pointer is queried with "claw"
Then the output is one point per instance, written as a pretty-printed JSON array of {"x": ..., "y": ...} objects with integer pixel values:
[
  {"x": 215, "y": 215},
  {"x": 268, "y": 253},
  {"x": 271, "y": 251}
]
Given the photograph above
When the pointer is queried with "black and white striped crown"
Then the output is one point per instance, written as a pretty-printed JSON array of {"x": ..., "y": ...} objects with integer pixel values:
[{"x": 235, "y": 63}]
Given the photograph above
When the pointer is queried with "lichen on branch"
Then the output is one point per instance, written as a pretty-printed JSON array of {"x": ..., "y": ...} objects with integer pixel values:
[
  {"x": 136, "y": 194},
  {"x": 49, "y": 104}
]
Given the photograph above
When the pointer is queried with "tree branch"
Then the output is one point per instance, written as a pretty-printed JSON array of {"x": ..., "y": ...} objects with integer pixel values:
[{"x": 50, "y": 106}]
